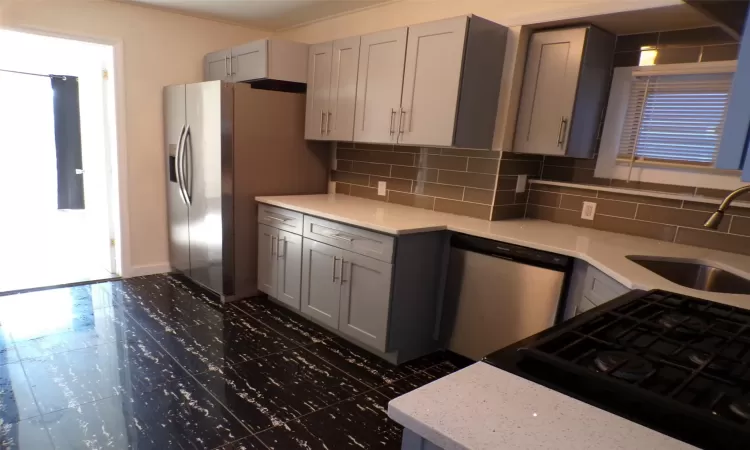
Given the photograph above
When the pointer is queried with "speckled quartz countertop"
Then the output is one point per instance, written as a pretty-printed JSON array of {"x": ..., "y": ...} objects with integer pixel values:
[
  {"x": 604, "y": 250},
  {"x": 484, "y": 408}
]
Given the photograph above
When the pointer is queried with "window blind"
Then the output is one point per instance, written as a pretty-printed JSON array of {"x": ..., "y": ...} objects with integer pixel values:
[{"x": 675, "y": 118}]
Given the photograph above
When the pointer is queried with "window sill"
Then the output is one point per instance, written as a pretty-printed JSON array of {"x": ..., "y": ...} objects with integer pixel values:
[{"x": 643, "y": 193}]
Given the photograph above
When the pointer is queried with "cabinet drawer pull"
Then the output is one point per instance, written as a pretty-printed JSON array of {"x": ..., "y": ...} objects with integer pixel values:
[
  {"x": 340, "y": 237},
  {"x": 322, "y": 122},
  {"x": 401, "y": 121},
  {"x": 562, "y": 132},
  {"x": 393, "y": 116},
  {"x": 280, "y": 246},
  {"x": 328, "y": 123},
  {"x": 277, "y": 218},
  {"x": 341, "y": 274}
]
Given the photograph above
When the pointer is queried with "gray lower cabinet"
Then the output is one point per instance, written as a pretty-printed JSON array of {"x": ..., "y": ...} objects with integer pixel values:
[
  {"x": 289, "y": 269},
  {"x": 267, "y": 265},
  {"x": 365, "y": 299},
  {"x": 589, "y": 288},
  {"x": 321, "y": 266}
]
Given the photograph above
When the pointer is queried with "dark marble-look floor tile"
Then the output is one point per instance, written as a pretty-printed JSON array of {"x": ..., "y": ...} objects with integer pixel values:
[
  {"x": 178, "y": 415},
  {"x": 292, "y": 326},
  {"x": 8, "y": 352},
  {"x": 358, "y": 423},
  {"x": 16, "y": 401},
  {"x": 100, "y": 327},
  {"x": 212, "y": 347},
  {"x": 29, "y": 434},
  {"x": 358, "y": 363},
  {"x": 439, "y": 357},
  {"x": 68, "y": 379},
  {"x": 269, "y": 391},
  {"x": 408, "y": 384},
  {"x": 248, "y": 443}
]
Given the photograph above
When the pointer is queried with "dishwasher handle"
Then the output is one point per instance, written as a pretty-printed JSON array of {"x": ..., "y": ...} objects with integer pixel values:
[{"x": 511, "y": 252}]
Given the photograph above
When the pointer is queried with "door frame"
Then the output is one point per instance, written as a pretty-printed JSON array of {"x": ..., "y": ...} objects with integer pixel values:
[{"x": 117, "y": 181}]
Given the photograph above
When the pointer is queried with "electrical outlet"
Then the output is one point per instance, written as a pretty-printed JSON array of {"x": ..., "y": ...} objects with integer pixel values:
[
  {"x": 588, "y": 211},
  {"x": 381, "y": 187},
  {"x": 521, "y": 183}
]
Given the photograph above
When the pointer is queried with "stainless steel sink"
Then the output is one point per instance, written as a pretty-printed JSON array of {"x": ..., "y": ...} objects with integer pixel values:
[{"x": 694, "y": 275}]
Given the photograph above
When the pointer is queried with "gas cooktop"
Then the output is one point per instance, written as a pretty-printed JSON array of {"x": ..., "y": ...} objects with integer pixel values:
[{"x": 673, "y": 363}]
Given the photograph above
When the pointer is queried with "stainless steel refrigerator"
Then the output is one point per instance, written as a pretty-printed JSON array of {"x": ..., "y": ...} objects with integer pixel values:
[{"x": 225, "y": 144}]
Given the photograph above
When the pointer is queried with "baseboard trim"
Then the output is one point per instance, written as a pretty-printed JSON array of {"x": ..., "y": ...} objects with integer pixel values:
[{"x": 147, "y": 269}]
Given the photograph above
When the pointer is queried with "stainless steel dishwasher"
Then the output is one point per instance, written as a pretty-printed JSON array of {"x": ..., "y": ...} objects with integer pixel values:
[{"x": 500, "y": 293}]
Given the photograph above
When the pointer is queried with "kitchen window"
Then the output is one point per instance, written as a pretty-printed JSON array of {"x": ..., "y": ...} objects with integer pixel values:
[{"x": 664, "y": 124}]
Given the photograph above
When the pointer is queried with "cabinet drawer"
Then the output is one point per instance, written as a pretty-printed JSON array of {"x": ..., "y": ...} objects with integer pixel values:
[
  {"x": 357, "y": 240},
  {"x": 599, "y": 288},
  {"x": 280, "y": 218}
]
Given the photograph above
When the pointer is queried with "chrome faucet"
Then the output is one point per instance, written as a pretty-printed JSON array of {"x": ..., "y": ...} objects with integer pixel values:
[{"x": 715, "y": 219}]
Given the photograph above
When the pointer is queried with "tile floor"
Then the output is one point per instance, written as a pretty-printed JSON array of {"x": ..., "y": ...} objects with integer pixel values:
[{"x": 153, "y": 363}]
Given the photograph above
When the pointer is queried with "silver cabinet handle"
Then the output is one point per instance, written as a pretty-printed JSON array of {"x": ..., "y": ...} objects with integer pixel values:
[
  {"x": 561, "y": 133},
  {"x": 333, "y": 272},
  {"x": 322, "y": 122},
  {"x": 226, "y": 66},
  {"x": 328, "y": 123},
  {"x": 277, "y": 218},
  {"x": 231, "y": 66},
  {"x": 280, "y": 246},
  {"x": 401, "y": 121},
  {"x": 272, "y": 245},
  {"x": 340, "y": 237},
  {"x": 393, "y": 116},
  {"x": 341, "y": 273}
]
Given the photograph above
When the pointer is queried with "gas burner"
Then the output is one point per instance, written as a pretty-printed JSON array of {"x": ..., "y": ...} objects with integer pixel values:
[
  {"x": 682, "y": 323},
  {"x": 627, "y": 366},
  {"x": 700, "y": 358},
  {"x": 741, "y": 407}
]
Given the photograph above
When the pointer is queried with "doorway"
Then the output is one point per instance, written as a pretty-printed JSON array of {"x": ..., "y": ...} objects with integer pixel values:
[{"x": 57, "y": 160}]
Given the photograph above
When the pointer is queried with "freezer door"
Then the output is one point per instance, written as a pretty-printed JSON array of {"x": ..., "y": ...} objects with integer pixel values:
[
  {"x": 209, "y": 183},
  {"x": 177, "y": 208}
]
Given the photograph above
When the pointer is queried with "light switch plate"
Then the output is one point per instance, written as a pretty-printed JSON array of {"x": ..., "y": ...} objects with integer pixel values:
[
  {"x": 381, "y": 187},
  {"x": 588, "y": 211},
  {"x": 521, "y": 183}
]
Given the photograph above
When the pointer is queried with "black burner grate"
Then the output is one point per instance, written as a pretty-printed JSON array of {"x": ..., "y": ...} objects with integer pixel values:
[{"x": 686, "y": 354}]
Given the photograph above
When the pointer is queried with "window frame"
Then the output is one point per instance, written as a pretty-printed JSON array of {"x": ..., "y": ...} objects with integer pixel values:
[{"x": 608, "y": 165}]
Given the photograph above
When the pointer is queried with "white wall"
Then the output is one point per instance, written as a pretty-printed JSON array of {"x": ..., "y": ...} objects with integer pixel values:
[{"x": 153, "y": 49}]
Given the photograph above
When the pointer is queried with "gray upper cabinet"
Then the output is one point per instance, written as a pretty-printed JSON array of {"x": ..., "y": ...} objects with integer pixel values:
[
  {"x": 289, "y": 271},
  {"x": 318, "y": 91},
  {"x": 365, "y": 299},
  {"x": 331, "y": 90},
  {"x": 216, "y": 66},
  {"x": 258, "y": 60},
  {"x": 564, "y": 91},
  {"x": 267, "y": 256},
  {"x": 321, "y": 272},
  {"x": 379, "y": 81}
]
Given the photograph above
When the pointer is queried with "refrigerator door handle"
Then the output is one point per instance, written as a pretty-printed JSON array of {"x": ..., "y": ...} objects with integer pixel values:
[
  {"x": 178, "y": 164},
  {"x": 187, "y": 163}
]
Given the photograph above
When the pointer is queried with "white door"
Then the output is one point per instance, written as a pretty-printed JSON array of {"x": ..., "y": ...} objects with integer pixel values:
[
  {"x": 318, "y": 91},
  {"x": 321, "y": 266},
  {"x": 216, "y": 66},
  {"x": 365, "y": 299},
  {"x": 249, "y": 61},
  {"x": 379, "y": 80},
  {"x": 432, "y": 74},
  {"x": 289, "y": 272},
  {"x": 343, "y": 89},
  {"x": 548, "y": 93},
  {"x": 267, "y": 256}
]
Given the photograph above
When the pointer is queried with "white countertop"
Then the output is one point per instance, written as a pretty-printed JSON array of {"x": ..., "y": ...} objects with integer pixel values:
[
  {"x": 484, "y": 408},
  {"x": 604, "y": 250}
]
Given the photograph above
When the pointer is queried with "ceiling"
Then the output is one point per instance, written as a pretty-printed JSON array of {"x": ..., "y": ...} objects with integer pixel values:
[{"x": 269, "y": 15}]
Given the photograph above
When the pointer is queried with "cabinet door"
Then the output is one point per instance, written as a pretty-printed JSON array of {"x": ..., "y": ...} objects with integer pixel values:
[
  {"x": 432, "y": 74},
  {"x": 267, "y": 264},
  {"x": 318, "y": 91},
  {"x": 321, "y": 265},
  {"x": 249, "y": 61},
  {"x": 548, "y": 92},
  {"x": 365, "y": 299},
  {"x": 343, "y": 89},
  {"x": 289, "y": 283},
  {"x": 216, "y": 66},
  {"x": 379, "y": 81}
]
